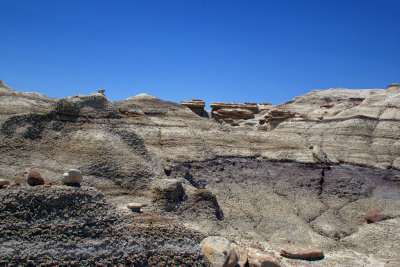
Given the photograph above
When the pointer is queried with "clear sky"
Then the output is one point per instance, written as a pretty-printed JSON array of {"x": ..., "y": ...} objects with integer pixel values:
[{"x": 248, "y": 50}]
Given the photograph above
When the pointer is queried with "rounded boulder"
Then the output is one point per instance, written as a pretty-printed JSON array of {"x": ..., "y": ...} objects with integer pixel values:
[
  {"x": 34, "y": 178},
  {"x": 72, "y": 177}
]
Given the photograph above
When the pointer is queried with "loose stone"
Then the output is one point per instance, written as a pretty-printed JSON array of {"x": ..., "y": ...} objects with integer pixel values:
[
  {"x": 34, "y": 178},
  {"x": 374, "y": 216},
  {"x": 302, "y": 253},
  {"x": 135, "y": 206},
  {"x": 72, "y": 177}
]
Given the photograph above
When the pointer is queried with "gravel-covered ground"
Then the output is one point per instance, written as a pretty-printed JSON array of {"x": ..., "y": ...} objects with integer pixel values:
[{"x": 75, "y": 226}]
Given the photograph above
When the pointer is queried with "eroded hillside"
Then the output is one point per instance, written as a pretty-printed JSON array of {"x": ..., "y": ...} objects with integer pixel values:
[{"x": 301, "y": 173}]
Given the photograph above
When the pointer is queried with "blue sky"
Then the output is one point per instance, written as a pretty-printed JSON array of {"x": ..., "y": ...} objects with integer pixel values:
[{"x": 254, "y": 50}]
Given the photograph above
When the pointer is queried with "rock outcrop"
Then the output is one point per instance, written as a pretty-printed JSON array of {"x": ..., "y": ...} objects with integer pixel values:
[
  {"x": 233, "y": 113},
  {"x": 196, "y": 105}
]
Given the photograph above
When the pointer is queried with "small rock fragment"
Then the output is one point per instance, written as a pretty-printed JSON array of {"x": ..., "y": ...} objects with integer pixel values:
[
  {"x": 257, "y": 258},
  {"x": 72, "y": 177},
  {"x": 374, "y": 216},
  {"x": 302, "y": 253},
  {"x": 135, "y": 206},
  {"x": 4, "y": 183},
  {"x": 34, "y": 178}
]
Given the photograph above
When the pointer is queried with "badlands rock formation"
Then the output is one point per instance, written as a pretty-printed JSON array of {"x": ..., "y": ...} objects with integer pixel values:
[{"x": 304, "y": 173}]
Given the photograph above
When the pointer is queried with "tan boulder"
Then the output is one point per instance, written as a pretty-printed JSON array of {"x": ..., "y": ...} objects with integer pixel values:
[
  {"x": 302, "y": 253},
  {"x": 258, "y": 258},
  {"x": 218, "y": 251}
]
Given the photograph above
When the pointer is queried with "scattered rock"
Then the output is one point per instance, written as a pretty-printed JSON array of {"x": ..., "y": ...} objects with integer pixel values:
[
  {"x": 302, "y": 253},
  {"x": 34, "y": 178},
  {"x": 135, "y": 206},
  {"x": 374, "y": 216},
  {"x": 4, "y": 183},
  {"x": 257, "y": 258},
  {"x": 218, "y": 251},
  {"x": 72, "y": 177}
]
